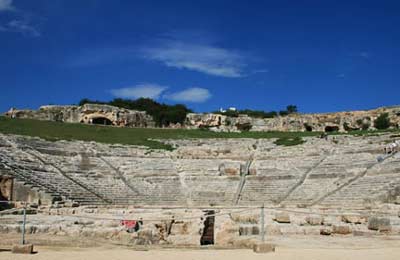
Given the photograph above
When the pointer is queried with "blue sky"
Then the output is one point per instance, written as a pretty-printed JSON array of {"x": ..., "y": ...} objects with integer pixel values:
[{"x": 320, "y": 55}]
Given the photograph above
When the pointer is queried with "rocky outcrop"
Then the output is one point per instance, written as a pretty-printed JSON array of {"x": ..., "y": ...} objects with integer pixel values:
[
  {"x": 88, "y": 114},
  {"x": 218, "y": 123},
  {"x": 110, "y": 115},
  {"x": 327, "y": 122}
]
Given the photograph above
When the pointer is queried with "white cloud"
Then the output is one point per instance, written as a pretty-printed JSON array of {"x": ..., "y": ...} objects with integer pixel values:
[
  {"x": 20, "y": 26},
  {"x": 203, "y": 58},
  {"x": 145, "y": 90},
  {"x": 196, "y": 95},
  {"x": 190, "y": 51},
  {"x": 6, "y": 5}
]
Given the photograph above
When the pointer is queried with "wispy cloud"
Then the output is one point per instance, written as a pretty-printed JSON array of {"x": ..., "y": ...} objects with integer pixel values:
[
  {"x": 196, "y": 95},
  {"x": 145, "y": 90},
  {"x": 20, "y": 26},
  {"x": 341, "y": 75},
  {"x": 200, "y": 57},
  {"x": 6, "y": 5},
  {"x": 364, "y": 54},
  {"x": 185, "y": 51}
]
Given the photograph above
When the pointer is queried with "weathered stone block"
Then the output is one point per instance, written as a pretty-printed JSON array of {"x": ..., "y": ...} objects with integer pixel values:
[
  {"x": 342, "y": 230},
  {"x": 381, "y": 224},
  {"x": 325, "y": 232},
  {"x": 22, "y": 249},
  {"x": 314, "y": 220},
  {"x": 71, "y": 204},
  {"x": 231, "y": 171},
  {"x": 249, "y": 230},
  {"x": 282, "y": 218},
  {"x": 252, "y": 219},
  {"x": 354, "y": 219},
  {"x": 263, "y": 248}
]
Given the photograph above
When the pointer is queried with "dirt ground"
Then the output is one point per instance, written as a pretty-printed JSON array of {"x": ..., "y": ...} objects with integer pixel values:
[
  {"x": 170, "y": 254},
  {"x": 298, "y": 248}
]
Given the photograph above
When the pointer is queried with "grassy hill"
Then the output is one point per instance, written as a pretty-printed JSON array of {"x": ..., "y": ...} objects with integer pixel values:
[
  {"x": 134, "y": 136},
  {"x": 54, "y": 131}
]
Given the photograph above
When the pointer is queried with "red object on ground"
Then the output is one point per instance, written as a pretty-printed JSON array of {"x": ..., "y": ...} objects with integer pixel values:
[{"x": 129, "y": 223}]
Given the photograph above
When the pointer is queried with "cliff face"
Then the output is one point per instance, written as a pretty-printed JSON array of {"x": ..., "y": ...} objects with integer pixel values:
[
  {"x": 89, "y": 114},
  {"x": 109, "y": 115},
  {"x": 341, "y": 121}
]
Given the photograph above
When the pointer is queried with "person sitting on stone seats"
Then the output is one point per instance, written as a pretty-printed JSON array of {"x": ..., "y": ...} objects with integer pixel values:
[
  {"x": 395, "y": 147},
  {"x": 390, "y": 148}
]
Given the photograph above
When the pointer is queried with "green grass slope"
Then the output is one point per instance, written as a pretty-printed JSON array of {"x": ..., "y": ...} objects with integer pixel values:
[{"x": 134, "y": 136}]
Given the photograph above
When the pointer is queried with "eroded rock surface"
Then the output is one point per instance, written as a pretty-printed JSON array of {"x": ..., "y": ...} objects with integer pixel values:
[
  {"x": 109, "y": 115},
  {"x": 88, "y": 113},
  {"x": 327, "y": 122}
]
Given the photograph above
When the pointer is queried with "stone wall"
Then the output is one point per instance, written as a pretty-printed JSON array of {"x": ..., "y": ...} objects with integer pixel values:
[
  {"x": 88, "y": 114},
  {"x": 239, "y": 228},
  {"x": 23, "y": 192}
]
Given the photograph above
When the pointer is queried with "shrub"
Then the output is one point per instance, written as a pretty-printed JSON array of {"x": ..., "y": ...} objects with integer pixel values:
[
  {"x": 382, "y": 121},
  {"x": 244, "y": 127},
  {"x": 271, "y": 114},
  {"x": 249, "y": 112},
  {"x": 365, "y": 125},
  {"x": 289, "y": 141},
  {"x": 283, "y": 113},
  {"x": 231, "y": 113}
]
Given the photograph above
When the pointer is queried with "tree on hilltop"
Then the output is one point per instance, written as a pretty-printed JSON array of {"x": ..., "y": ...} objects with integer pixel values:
[
  {"x": 382, "y": 121},
  {"x": 291, "y": 109}
]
